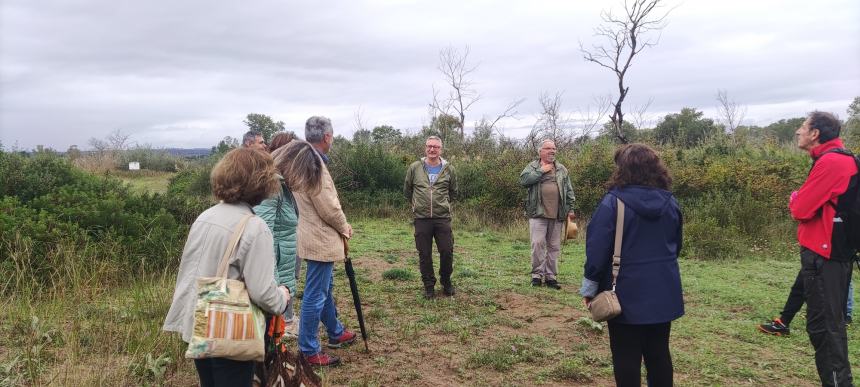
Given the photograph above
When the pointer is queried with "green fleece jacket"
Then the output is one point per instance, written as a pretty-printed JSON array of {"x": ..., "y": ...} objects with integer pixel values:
[
  {"x": 530, "y": 178},
  {"x": 281, "y": 216},
  {"x": 430, "y": 200}
]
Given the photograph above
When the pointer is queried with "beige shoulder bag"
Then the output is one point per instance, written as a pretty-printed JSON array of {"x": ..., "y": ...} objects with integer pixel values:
[
  {"x": 605, "y": 305},
  {"x": 226, "y": 323}
]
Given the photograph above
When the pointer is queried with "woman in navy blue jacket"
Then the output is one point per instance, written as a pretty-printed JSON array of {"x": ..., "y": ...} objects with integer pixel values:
[{"x": 649, "y": 281}]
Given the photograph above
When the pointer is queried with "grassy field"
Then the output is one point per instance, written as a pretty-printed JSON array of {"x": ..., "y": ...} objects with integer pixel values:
[
  {"x": 497, "y": 330},
  {"x": 145, "y": 180}
]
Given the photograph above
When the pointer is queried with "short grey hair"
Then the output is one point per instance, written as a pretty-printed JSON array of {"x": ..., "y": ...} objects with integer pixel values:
[
  {"x": 250, "y": 136},
  {"x": 316, "y": 128},
  {"x": 434, "y": 138},
  {"x": 546, "y": 140}
]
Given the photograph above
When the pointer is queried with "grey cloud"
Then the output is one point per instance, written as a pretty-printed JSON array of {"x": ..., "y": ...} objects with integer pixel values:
[{"x": 185, "y": 73}]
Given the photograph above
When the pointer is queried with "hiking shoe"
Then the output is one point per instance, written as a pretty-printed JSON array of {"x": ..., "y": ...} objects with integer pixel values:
[
  {"x": 346, "y": 338},
  {"x": 536, "y": 282},
  {"x": 322, "y": 359},
  {"x": 553, "y": 284},
  {"x": 448, "y": 291},
  {"x": 429, "y": 294},
  {"x": 775, "y": 327}
]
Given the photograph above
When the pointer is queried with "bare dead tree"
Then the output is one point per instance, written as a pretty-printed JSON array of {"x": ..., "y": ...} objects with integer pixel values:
[
  {"x": 731, "y": 113},
  {"x": 626, "y": 37},
  {"x": 591, "y": 116},
  {"x": 455, "y": 68},
  {"x": 358, "y": 121},
  {"x": 552, "y": 122},
  {"x": 118, "y": 140},
  {"x": 510, "y": 111},
  {"x": 639, "y": 114}
]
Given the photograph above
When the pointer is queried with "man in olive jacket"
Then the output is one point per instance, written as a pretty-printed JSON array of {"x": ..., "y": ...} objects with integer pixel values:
[
  {"x": 430, "y": 187},
  {"x": 550, "y": 201}
]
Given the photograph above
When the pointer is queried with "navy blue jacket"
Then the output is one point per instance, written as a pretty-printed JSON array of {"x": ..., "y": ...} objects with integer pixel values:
[{"x": 649, "y": 281}]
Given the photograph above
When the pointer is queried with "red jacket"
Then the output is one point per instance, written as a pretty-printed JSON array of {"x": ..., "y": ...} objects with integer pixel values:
[{"x": 814, "y": 206}]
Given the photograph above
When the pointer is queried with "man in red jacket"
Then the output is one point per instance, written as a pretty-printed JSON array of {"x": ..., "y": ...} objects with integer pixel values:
[{"x": 825, "y": 256}]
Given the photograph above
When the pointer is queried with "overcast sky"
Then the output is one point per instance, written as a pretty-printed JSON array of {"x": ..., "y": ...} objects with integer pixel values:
[{"x": 186, "y": 73}]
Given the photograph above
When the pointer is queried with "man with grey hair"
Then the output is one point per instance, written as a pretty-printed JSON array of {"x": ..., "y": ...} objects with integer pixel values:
[
  {"x": 430, "y": 187},
  {"x": 550, "y": 201},
  {"x": 254, "y": 140},
  {"x": 322, "y": 232},
  {"x": 320, "y": 134}
]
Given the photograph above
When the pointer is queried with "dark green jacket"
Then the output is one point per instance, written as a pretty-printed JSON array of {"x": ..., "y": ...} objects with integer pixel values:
[
  {"x": 530, "y": 178},
  {"x": 430, "y": 201},
  {"x": 281, "y": 216}
]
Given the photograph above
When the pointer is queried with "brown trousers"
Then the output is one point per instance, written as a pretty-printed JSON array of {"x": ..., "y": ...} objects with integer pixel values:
[
  {"x": 546, "y": 244},
  {"x": 425, "y": 231}
]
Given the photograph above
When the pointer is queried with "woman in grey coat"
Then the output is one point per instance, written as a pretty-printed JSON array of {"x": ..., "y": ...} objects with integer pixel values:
[{"x": 242, "y": 179}]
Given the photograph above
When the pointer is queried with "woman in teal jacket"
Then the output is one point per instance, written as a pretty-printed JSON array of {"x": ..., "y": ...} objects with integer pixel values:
[{"x": 281, "y": 216}]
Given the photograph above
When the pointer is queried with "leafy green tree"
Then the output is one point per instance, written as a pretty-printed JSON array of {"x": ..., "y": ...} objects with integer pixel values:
[
  {"x": 783, "y": 130},
  {"x": 73, "y": 153},
  {"x": 686, "y": 128},
  {"x": 852, "y": 124},
  {"x": 628, "y": 130},
  {"x": 385, "y": 134},
  {"x": 361, "y": 136},
  {"x": 225, "y": 145},
  {"x": 264, "y": 125},
  {"x": 444, "y": 125}
]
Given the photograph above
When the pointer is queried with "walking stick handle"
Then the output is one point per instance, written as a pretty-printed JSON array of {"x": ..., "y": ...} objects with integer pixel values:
[{"x": 345, "y": 247}]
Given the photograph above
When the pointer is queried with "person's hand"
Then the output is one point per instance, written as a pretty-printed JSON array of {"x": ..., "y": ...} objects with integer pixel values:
[
  {"x": 587, "y": 302},
  {"x": 546, "y": 167},
  {"x": 792, "y": 197},
  {"x": 348, "y": 234},
  {"x": 286, "y": 292}
]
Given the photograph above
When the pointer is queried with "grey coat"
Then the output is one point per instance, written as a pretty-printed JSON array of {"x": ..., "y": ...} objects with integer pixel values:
[{"x": 253, "y": 261}]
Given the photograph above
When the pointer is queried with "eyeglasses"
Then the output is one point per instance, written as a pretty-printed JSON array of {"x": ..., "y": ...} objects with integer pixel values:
[{"x": 434, "y": 147}]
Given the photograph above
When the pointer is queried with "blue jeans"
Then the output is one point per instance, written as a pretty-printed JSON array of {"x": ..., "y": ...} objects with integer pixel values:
[
  {"x": 318, "y": 305},
  {"x": 849, "y": 307}
]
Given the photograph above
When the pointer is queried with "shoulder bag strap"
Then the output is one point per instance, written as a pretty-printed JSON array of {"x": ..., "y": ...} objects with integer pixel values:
[
  {"x": 619, "y": 236},
  {"x": 234, "y": 241}
]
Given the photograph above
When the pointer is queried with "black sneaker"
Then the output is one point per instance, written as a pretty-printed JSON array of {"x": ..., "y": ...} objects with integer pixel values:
[
  {"x": 536, "y": 282},
  {"x": 553, "y": 284},
  {"x": 429, "y": 293},
  {"x": 775, "y": 327},
  {"x": 448, "y": 291}
]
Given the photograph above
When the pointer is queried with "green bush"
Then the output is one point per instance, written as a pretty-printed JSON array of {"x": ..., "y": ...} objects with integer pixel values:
[{"x": 52, "y": 208}]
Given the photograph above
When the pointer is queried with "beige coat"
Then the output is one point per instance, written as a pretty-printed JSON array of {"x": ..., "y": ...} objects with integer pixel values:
[
  {"x": 253, "y": 261},
  {"x": 322, "y": 223}
]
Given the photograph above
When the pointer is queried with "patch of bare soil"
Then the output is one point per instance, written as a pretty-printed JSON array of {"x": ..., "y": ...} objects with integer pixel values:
[{"x": 433, "y": 357}]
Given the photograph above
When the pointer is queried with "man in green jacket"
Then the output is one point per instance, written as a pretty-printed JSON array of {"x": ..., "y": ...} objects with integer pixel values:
[
  {"x": 550, "y": 201},
  {"x": 430, "y": 187}
]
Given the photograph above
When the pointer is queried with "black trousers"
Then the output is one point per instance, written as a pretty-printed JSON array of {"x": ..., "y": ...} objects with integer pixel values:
[
  {"x": 794, "y": 301},
  {"x": 826, "y": 289},
  {"x": 219, "y": 372},
  {"x": 631, "y": 343},
  {"x": 425, "y": 231}
]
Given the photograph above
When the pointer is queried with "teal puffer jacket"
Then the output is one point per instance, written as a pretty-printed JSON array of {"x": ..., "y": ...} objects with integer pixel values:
[{"x": 281, "y": 216}]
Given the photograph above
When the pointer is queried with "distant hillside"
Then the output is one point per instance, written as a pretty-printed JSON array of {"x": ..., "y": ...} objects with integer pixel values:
[{"x": 190, "y": 152}]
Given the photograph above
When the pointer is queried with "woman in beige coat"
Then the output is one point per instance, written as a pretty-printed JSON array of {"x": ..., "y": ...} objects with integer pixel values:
[
  {"x": 322, "y": 228},
  {"x": 242, "y": 179}
]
